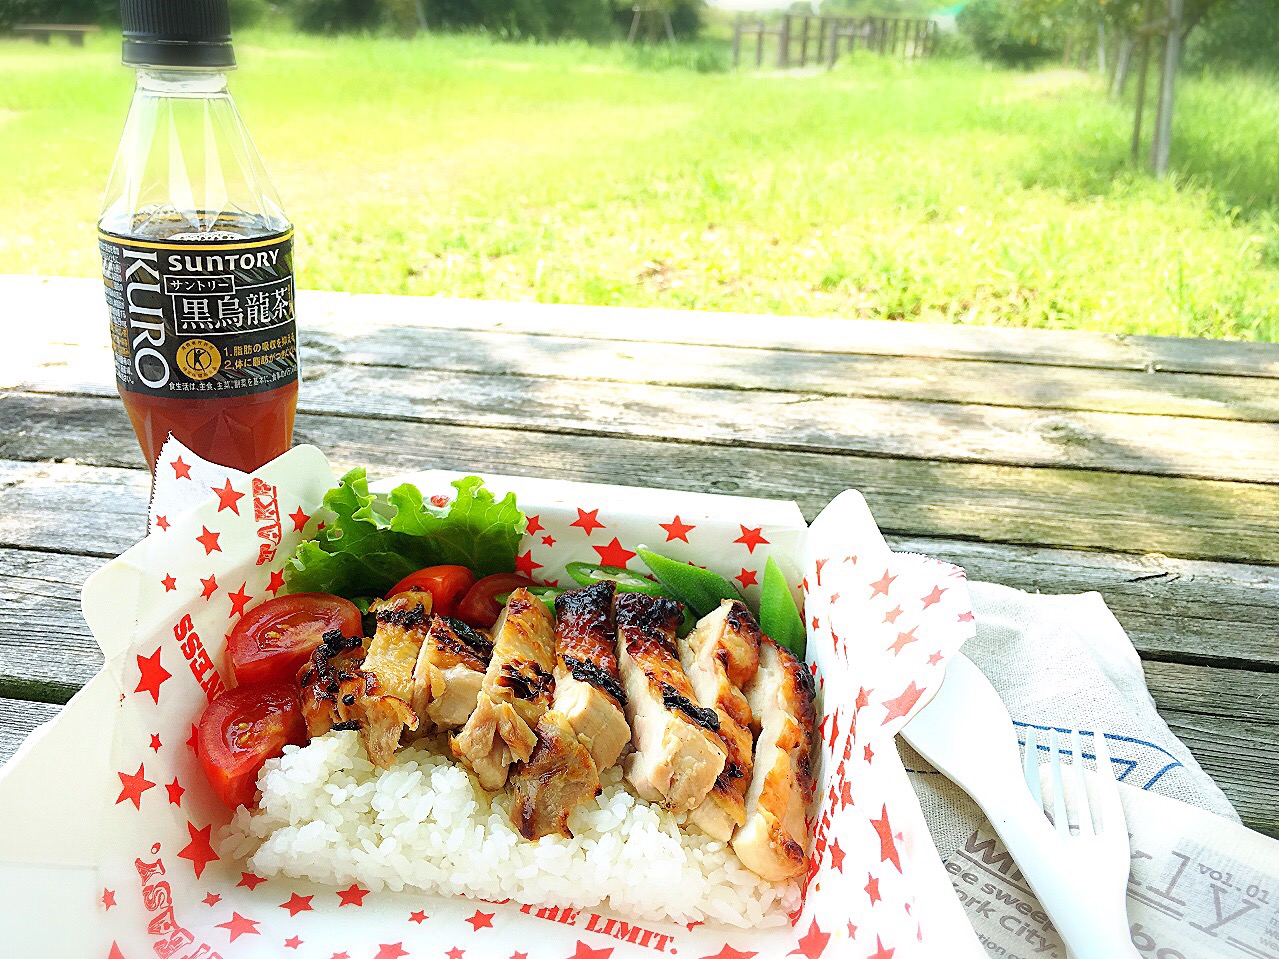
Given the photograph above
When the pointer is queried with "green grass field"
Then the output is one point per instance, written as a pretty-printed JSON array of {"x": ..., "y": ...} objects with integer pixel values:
[{"x": 939, "y": 192}]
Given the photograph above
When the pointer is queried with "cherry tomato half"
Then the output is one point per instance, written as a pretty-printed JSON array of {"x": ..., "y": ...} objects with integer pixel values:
[
  {"x": 241, "y": 730},
  {"x": 446, "y": 584},
  {"x": 273, "y": 639},
  {"x": 480, "y": 607}
]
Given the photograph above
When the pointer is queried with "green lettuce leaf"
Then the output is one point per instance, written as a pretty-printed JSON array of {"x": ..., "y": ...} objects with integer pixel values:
[{"x": 371, "y": 544}]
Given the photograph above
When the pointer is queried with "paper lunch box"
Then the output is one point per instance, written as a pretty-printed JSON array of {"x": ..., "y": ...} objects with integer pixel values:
[{"x": 109, "y": 843}]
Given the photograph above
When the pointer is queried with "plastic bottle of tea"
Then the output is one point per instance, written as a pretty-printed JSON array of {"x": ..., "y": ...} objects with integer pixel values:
[{"x": 197, "y": 254}]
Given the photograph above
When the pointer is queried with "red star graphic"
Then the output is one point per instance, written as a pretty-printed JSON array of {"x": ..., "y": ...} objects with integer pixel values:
[
  {"x": 519, "y": 955},
  {"x": 845, "y": 794},
  {"x": 818, "y": 565},
  {"x": 526, "y": 564},
  {"x": 300, "y": 520},
  {"x": 175, "y": 792},
  {"x": 534, "y": 525},
  {"x": 966, "y": 617},
  {"x": 586, "y": 952},
  {"x": 170, "y": 584},
  {"x": 419, "y": 917},
  {"x": 135, "y": 785},
  {"x": 934, "y": 597},
  {"x": 108, "y": 899},
  {"x": 292, "y": 942},
  {"x": 155, "y": 743},
  {"x": 297, "y": 904},
  {"x": 162, "y": 522},
  {"x": 746, "y": 577},
  {"x": 834, "y": 728},
  {"x": 114, "y": 952},
  {"x": 887, "y": 847},
  {"x": 152, "y": 675},
  {"x": 868, "y": 754},
  {"x": 199, "y": 850},
  {"x": 754, "y": 537},
  {"x": 852, "y": 931},
  {"x": 817, "y": 623},
  {"x": 548, "y": 540},
  {"x": 676, "y": 529},
  {"x": 210, "y": 586},
  {"x": 180, "y": 469},
  {"x": 481, "y": 920},
  {"x": 614, "y": 554},
  {"x": 209, "y": 540},
  {"x": 812, "y": 944},
  {"x": 903, "y": 704},
  {"x": 340, "y": 955},
  {"x": 872, "y": 889},
  {"x": 903, "y": 640},
  {"x": 239, "y": 600},
  {"x": 728, "y": 952},
  {"x": 836, "y": 856},
  {"x": 239, "y": 926},
  {"x": 353, "y": 896},
  {"x": 277, "y": 582},
  {"x": 392, "y": 950},
  {"x": 881, "y": 952},
  {"x": 211, "y": 900},
  {"x": 892, "y": 614},
  {"x": 455, "y": 953},
  {"x": 862, "y": 700},
  {"x": 228, "y": 498},
  {"x": 249, "y": 881},
  {"x": 194, "y": 741},
  {"x": 880, "y": 586},
  {"x": 588, "y": 521}
]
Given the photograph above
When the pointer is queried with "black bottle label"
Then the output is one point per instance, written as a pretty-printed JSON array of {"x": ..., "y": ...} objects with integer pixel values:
[{"x": 201, "y": 318}]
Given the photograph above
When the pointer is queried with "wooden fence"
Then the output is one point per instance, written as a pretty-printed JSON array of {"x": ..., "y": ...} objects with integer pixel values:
[{"x": 804, "y": 38}]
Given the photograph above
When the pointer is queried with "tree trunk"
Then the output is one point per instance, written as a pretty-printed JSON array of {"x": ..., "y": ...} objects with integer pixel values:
[{"x": 1161, "y": 145}]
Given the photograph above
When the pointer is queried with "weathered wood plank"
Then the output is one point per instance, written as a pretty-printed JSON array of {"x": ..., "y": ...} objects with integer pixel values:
[
  {"x": 1193, "y": 518},
  {"x": 1234, "y": 694},
  {"x": 1243, "y": 759},
  {"x": 17, "y": 719},
  {"x": 78, "y": 301}
]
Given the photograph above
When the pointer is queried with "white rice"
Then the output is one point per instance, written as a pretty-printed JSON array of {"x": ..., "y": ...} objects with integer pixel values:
[{"x": 328, "y": 815}]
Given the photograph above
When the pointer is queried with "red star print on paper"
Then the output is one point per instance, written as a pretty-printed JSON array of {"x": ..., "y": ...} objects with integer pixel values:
[
  {"x": 249, "y": 881},
  {"x": 935, "y": 658},
  {"x": 353, "y": 896},
  {"x": 845, "y": 794},
  {"x": 162, "y": 522},
  {"x": 880, "y": 586},
  {"x": 340, "y": 955},
  {"x": 834, "y": 728},
  {"x": 392, "y": 950},
  {"x": 481, "y": 920},
  {"x": 155, "y": 743},
  {"x": 903, "y": 704},
  {"x": 108, "y": 899},
  {"x": 892, "y": 614},
  {"x": 966, "y": 617},
  {"x": 210, "y": 586},
  {"x": 152, "y": 675},
  {"x": 586, "y": 952},
  {"x": 526, "y": 564},
  {"x": 519, "y": 955},
  {"x": 836, "y": 856},
  {"x": 194, "y": 741},
  {"x": 209, "y": 540},
  {"x": 180, "y": 469},
  {"x": 228, "y": 498},
  {"x": 887, "y": 846},
  {"x": 852, "y": 931},
  {"x": 114, "y": 952},
  {"x": 751, "y": 538},
  {"x": 277, "y": 582},
  {"x": 881, "y": 952},
  {"x": 676, "y": 529},
  {"x": 170, "y": 584},
  {"x": 135, "y": 784},
  {"x": 812, "y": 944},
  {"x": 746, "y": 577},
  {"x": 292, "y": 942},
  {"x": 534, "y": 525},
  {"x": 199, "y": 850},
  {"x": 175, "y": 791},
  {"x": 868, "y": 754},
  {"x": 587, "y": 520},
  {"x": 614, "y": 554},
  {"x": 455, "y": 953},
  {"x": 548, "y": 540},
  {"x": 872, "y": 889},
  {"x": 903, "y": 640},
  {"x": 300, "y": 519},
  {"x": 728, "y": 952},
  {"x": 211, "y": 900},
  {"x": 239, "y": 600},
  {"x": 862, "y": 700},
  {"x": 297, "y": 904},
  {"x": 419, "y": 917},
  {"x": 933, "y": 598},
  {"x": 238, "y": 926}
]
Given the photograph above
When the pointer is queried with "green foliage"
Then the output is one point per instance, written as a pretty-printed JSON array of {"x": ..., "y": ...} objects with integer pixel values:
[
  {"x": 334, "y": 16},
  {"x": 58, "y": 11},
  {"x": 247, "y": 13},
  {"x": 698, "y": 57},
  {"x": 1242, "y": 33},
  {"x": 999, "y": 33}
]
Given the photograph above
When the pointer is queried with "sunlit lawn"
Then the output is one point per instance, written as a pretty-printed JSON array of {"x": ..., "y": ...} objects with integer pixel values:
[{"x": 940, "y": 192}]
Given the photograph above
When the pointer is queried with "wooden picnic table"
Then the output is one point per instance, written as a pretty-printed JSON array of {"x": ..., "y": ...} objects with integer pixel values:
[
  {"x": 41, "y": 32},
  {"x": 1145, "y": 468}
]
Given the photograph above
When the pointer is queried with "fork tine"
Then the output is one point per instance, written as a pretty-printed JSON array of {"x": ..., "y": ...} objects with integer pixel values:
[
  {"x": 1109, "y": 811},
  {"x": 1060, "y": 819},
  {"x": 1031, "y": 765},
  {"x": 1081, "y": 785}
]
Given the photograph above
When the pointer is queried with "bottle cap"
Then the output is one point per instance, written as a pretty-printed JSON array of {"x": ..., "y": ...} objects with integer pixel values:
[{"x": 177, "y": 33}]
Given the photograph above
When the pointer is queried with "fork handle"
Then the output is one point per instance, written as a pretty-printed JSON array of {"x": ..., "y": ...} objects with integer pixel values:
[{"x": 1098, "y": 931}]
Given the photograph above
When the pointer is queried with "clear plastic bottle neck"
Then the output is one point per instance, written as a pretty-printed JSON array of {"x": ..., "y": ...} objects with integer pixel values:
[{"x": 158, "y": 81}]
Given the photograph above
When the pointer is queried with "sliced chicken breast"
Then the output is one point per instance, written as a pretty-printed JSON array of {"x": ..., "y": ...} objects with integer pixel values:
[
  {"x": 773, "y": 843},
  {"x": 402, "y": 624},
  {"x": 677, "y": 752},
  {"x": 449, "y": 672},
  {"x": 588, "y": 686},
  {"x": 518, "y": 688},
  {"x": 559, "y": 776},
  {"x": 720, "y": 656}
]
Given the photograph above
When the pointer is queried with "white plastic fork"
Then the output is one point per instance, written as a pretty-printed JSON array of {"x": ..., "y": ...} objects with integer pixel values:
[{"x": 1080, "y": 879}]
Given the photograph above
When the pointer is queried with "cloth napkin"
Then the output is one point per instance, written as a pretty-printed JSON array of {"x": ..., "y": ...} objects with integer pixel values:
[{"x": 1064, "y": 662}]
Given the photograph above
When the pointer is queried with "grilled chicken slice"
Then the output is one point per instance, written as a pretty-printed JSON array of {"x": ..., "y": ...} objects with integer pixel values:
[
  {"x": 721, "y": 656},
  {"x": 517, "y": 689},
  {"x": 402, "y": 622},
  {"x": 677, "y": 752},
  {"x": 337, "y": 693},
  {"x": 559, "y": 776},
  {"x": 774, "y": 841},
  {"x": 588, "y": 687},
  {"x": 449, "y": 671}
]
